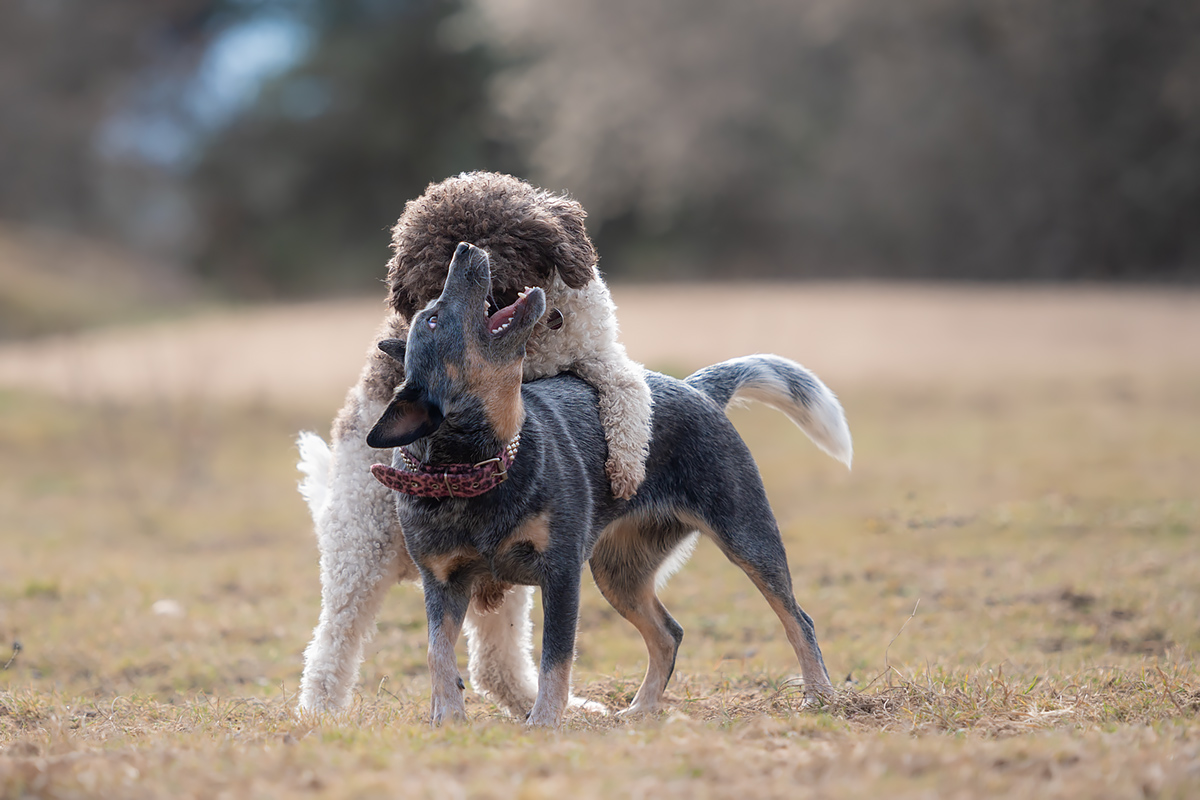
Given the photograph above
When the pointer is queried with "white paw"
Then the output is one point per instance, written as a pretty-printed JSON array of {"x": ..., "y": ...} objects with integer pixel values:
[{"x": 588, "y": 706}]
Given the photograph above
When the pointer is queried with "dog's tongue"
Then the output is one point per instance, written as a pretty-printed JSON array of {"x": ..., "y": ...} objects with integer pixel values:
[
  {"x": 501, "y": 319},
  {"x": 504, "y": 317}
]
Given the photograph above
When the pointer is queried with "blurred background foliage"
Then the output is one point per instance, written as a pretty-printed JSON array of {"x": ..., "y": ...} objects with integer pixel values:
[{"x": 264, "y": 147}]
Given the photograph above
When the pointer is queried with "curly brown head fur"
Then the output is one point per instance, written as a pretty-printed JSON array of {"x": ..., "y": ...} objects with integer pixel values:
[{"x": 528, "y": 233}]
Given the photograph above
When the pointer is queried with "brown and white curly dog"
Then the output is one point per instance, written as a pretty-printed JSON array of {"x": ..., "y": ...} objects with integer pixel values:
[{"x": 533, "y": 238}]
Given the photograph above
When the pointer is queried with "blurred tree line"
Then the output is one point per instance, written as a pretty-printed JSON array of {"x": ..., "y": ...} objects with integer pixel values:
[
  {"x": 64, "y": 67},
  {"x": 975, "y": 139}
]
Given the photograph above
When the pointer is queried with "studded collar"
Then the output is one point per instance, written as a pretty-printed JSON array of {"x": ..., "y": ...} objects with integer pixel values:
[{"x": 447, "y": 480}]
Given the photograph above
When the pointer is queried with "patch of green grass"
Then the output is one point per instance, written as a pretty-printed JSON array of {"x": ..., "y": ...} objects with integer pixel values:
[{"x": 45, "y": 589}]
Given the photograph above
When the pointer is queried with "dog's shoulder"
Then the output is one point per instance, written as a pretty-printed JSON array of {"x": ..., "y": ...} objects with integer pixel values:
[
  {"x": 565, "y": 404},
  {"x": 562, "y": 413},
  {"x": 564, "y": 391}
]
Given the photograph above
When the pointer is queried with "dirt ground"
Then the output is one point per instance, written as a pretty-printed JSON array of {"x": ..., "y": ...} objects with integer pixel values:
[{"x": 307, "y": 355}]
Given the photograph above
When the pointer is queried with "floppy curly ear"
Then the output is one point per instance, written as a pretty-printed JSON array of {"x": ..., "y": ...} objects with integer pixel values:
[
  {"x": 575, "y": 256},
  {"x": 400, "y": 298}
]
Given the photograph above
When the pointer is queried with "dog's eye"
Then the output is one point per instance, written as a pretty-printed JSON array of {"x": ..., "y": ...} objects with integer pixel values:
[{"x": 432, "y": 321}]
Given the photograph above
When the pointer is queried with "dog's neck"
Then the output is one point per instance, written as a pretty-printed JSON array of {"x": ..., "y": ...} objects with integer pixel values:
[{"x": 467, "y": 438}]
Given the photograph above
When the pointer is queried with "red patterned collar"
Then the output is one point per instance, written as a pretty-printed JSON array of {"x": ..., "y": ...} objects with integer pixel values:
[{"x": 447, "y": 480}]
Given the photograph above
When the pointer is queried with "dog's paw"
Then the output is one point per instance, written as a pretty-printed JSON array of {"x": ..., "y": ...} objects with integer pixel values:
[
  {"x": 448, "y": 717},
  {"x": 817, "y": 693},
  {"x": 543, "y": 718},
  {"x": 317, "y": 700},
  {"x": 639, "y": 711},
  {"x": 550, "y": 707},
  {"x": 447, "y": 712},
  {"x": 625, "y": 475},
  {"x": 312, "y": 715}
]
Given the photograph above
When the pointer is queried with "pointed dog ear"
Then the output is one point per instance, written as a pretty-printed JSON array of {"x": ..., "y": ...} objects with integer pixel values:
[
  {"x": 394, "y": 348},
  {"x": 407, "y": 418}
]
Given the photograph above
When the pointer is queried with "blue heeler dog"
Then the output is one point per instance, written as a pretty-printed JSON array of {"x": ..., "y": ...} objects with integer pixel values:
[{"x": 501, "y": 483}]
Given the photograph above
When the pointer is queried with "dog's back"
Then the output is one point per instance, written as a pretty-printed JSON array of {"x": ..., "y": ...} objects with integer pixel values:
[
  {"x": 695, "y": 453},
  {"x": 696, "y": 458}
]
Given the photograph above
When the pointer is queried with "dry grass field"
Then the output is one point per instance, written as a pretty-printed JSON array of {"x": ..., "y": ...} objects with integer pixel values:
[{"x": 1006, "y": 586}]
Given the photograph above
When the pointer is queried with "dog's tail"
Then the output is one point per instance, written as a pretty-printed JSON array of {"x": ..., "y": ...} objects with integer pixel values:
[
  {"x": 314, "y": 463},
  {"x": 786, "y": 386}
]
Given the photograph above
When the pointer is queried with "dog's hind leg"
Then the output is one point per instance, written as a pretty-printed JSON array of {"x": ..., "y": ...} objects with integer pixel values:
[
  {"x": 749, "y": 537},
  {"x": 625, "y": 562},
  {"x": 362, "y": 555},
  {"x": 500, "y": 647}
]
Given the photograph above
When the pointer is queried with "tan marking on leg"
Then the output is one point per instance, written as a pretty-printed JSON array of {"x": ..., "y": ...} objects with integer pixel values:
[
  {"x": 621, "y": 534},
  {"x": 554, "y": 691},
  {"x": 443, "y": 565},
  {"x": 534, "y": 531},
  {"x": 660, "y": 646},
  {"x": 644, "y": 611},
  {"x": 498, "y": 387}
]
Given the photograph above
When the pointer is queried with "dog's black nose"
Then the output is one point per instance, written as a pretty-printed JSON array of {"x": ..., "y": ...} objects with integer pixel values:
[{"x": 463, "y": 249}]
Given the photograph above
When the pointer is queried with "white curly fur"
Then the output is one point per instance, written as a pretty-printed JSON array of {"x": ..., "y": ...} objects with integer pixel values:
[
  {"x": 587, "y": 345},
  {"x": 500, "y": 652},
  {"x": 362, "y": 555},
  {"x": 362, "y": 548}
]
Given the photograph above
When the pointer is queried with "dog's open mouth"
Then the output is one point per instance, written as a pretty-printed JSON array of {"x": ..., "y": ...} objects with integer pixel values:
[{"x": 501, "y": 320}]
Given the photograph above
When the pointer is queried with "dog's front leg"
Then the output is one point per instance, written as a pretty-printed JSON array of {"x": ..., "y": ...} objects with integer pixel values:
[
  {"x": 560, "y": 609},
  {"x": 445, "y": 607}
]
